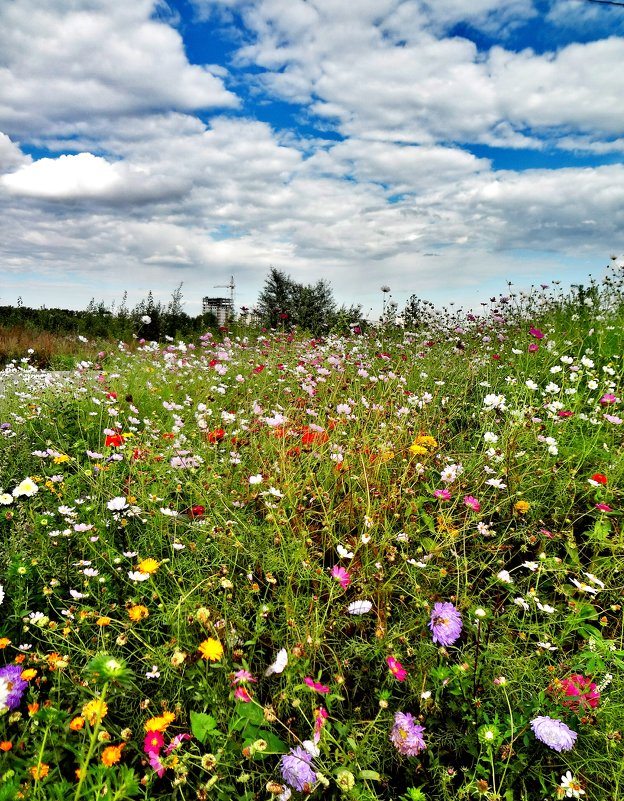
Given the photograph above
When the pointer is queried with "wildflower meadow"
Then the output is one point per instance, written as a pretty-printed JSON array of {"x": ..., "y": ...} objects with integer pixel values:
[{"x": 381, "y": 564}]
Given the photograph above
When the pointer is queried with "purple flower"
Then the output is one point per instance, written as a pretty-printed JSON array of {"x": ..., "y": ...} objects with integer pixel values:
[
  {"x": 13, "y": 684},
  {"x": 445, "y": 624},
  {"x": 407, "y": 735},
  {"x": 296, "y": 770},
  {"x": 553, "y": 733}
]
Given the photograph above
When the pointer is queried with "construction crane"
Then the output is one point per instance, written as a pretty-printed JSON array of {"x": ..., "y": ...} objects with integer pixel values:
[{"x": 231, "y": 286}]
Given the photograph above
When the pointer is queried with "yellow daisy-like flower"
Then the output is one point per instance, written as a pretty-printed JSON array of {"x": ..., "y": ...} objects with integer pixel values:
[
  {"x": 103, "y": 621},
  {"x": 28, "y": 674},
  {"x": 94, "y": 710},
  {"x": 138, "y": 612},
  {"x": 148, "y": 566},
  {"x": 211, "y": 649},
  {"x": 522, "y": 507},
  {"x": 418, "y": 450},
  {"x": 4, "y": 641},
  {"x": 159, "y": 723}
]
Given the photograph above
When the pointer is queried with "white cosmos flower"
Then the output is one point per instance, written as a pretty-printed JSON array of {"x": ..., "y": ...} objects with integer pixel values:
[
  {"x": 359, "y": 607},
  {"x": 342, "y": 551},
  {"x": 117, "y": 504},
  {"x": 1, "y": 593},
  {"x": 281, "y": 660},
  {"x": 136, "y": 575}
]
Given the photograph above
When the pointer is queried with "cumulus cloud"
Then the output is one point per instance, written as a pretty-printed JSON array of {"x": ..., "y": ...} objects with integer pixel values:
[{"x": 62, "y": 62}]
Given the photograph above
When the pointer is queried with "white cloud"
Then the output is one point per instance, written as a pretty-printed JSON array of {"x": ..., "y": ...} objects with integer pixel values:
[{"x": 64, "y": 61}]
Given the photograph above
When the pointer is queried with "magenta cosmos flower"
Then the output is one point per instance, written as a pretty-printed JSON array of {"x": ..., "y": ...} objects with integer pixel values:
[
  {"x": 341, "y": 575},
  {"x": 396, "y": 668},
  {"x": 535, "y": 332},
  {"x": 472, "y": 502},
  {"x": 554, "y": 733},
  {"x": 445, "y": 624},
  {"x": 407, "y": 735},
  {"x": 579, "y": 692}
]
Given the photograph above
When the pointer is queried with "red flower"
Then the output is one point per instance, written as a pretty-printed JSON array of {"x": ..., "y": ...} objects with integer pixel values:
[
  {"x": 113, "y": 440},
  {"x": 259, "y": 368},
  {"x": 309, "y": 437},
  {"x": 216, "y": 435},
  {"x": 599, "y": 478},
  {"x": 196, "y": 512}
]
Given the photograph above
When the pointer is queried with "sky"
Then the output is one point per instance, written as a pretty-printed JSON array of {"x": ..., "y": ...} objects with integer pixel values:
[{"x": 443, "y": 148}]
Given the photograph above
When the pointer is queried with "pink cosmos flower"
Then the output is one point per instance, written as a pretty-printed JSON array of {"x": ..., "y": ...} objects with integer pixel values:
[
  {"x": 241, "y": 676},
  {"x": 316, "y": 685},
  {"x": 155, "y": 762},
  {"x": 579, "y": 692},
  {"x": 320, "y": 716},
  {"x": 535, "y": 332},
  {"x": 533, "y": 347},
  {"x": 396, "y": 668},
  {"x": 603, "y": 507},
  {"x": 473, "y": 503},
  {"x": 442, "y": 494},
  {"x": 341, "y": 575},
  {"x": 177, "y": 741},
  {"x": 608, "y": 397},
  {"x": 241, "y": 694}
]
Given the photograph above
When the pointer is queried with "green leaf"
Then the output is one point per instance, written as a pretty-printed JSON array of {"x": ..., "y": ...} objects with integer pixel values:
[
  {"x": 251, "y": 713},
  {"x": 369, "y": 774},
  {"x": 202, "y": 725}
]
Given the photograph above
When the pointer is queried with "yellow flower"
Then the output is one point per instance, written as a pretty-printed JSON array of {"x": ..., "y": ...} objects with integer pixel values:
[
  {"x": 522, "y": 507},
  {"x": 94, "y": 711},
  {"x": 418, "y": 450},
  {"x": 211, "y": 649},
  {"x": 111, "y": 754},
  {"x": 61, "y": 459},
  {"x": 103, "y": 621},
  {"x": 138, "y": 612},
  {"x": 148, "y": 566},
  {"x": 28, "y": 674},
  {"x": 76, "y": 724},
  {"x": 423, "y": 445},
  {"x": 160, "y": 723},
  {"x": 4, "y": 641}
]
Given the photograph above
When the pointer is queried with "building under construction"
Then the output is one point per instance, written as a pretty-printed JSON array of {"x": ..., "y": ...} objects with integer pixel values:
[{"x": 222, "y": 308}]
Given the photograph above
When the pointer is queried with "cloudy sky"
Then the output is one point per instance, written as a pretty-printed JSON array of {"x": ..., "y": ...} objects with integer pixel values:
[{"x": 441, "y": 147}]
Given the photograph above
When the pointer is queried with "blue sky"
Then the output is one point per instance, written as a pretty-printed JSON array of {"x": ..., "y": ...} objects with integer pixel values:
[{"x": 442, "y": 148}]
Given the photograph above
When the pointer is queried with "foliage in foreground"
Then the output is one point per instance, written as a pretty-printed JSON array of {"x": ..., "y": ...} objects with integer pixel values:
[{"x": 349, "y": 568}]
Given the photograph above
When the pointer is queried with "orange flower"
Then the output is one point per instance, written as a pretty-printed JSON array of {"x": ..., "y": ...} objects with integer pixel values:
[
  {"x": 28, "y": 674},
  {"x": 211, "y": 649},
  {"x": 111, "y": 754},
  {"x": 39, "y": 771},
  {"x": 77, "y": 723},
  {"x": 33, "y": 709},
  {"x": 6, "y": 745},
  {"x": 148, "y": 566},
  {"x": 159, "y": 723},
  {"x": 4, "y": 641},
  {"x": 19, "y": 659},
  {"x": 103, "y": 621},
  {"x": 56, "y": 661},
  {"x": 138, "y": 612}
]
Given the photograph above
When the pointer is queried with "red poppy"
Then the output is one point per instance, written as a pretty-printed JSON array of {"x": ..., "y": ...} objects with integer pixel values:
[
  {"x": 599, "y": 478},
  {"x": 113, "y": 440},
  {"x": 309, "y": 437},
  {"x": 216, "y": 435}
]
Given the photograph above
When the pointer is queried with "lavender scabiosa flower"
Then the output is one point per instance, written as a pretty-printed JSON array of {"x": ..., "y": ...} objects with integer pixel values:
[
  {"x": 445, "y": 624},
  {"x": 296, "y": 768},
  {"x": 554, "y": 733},
  {"x": 13, "y": 685},
  {"x": 407, "y": 735}
]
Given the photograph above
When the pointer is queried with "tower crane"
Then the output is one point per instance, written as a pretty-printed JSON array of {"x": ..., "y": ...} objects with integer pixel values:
[{"x": 231, "y": 286}]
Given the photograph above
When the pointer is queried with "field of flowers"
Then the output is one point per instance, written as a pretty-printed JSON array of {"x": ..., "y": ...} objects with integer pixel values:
[{"x": 383, "y": 566}]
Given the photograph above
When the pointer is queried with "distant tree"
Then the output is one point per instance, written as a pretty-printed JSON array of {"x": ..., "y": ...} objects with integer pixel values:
[
  {"x": 283, "y": 301},
  {"x": 276, "y": 299}
]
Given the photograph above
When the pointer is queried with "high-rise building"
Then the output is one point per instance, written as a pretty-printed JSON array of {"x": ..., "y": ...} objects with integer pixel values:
[{"x": 220, "y": 307}]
